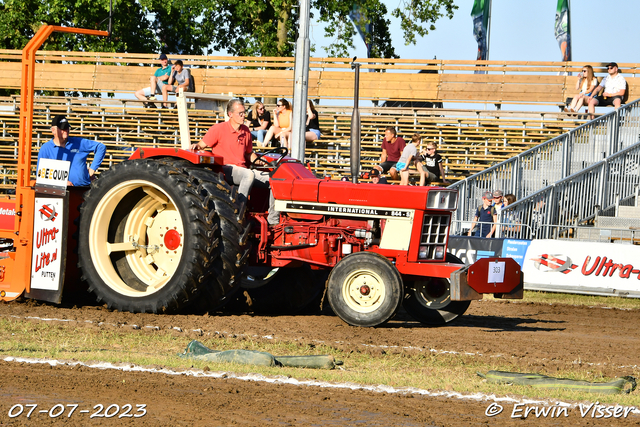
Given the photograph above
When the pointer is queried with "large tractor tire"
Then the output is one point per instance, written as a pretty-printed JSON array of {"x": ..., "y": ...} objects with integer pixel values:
[
  {"x": 429, "y": 300},
  {"x": 220, "y": 199},
  {"x": 147, "y": 241},
  {"x": 365, "y": 289}
]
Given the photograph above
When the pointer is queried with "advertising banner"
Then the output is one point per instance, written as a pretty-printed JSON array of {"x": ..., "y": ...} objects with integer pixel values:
[
  {"x": 7, "y": 215},
  {"x": 53, "y": 173},
  {"x": 516, "y": 249},
  {"x": 48, "y": 229},
  {"x": 471, "y": 249},
  {"x": 583, "y": 267}
]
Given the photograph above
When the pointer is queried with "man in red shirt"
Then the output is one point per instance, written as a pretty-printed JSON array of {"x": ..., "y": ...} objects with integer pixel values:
[
  {"x": 392, "y": 146},
  {"x": 232, "y": 141}
]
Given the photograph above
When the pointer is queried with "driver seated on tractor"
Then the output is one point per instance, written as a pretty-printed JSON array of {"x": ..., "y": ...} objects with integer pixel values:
[
  {"x": 231, "y": 140},
  {"x": 73, "y": 149}
]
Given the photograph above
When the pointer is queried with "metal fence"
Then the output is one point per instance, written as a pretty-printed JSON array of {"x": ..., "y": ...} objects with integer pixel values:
[
  {"x": 556, "y": 210},
  {"x": 531, "y": 173}
]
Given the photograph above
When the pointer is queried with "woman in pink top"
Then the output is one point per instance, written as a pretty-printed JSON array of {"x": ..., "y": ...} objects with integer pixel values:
[{"x": 281, "y": 124}]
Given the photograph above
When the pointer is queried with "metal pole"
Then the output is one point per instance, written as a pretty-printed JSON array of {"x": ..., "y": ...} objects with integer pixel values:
[
  {"x": 301, "y": 78},
  {"x": 355, "y": 126}
]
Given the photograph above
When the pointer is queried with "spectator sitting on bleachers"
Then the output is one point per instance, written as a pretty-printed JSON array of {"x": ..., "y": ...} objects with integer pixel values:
[
  {"x": 392, "y": 146},
  {"x": 586, "y": 83},
  {"x": 410, "y": 156},
  {"x": 312, "y": 127},
  {"x": 433, "y": 163},
  {"x": 158, "y": 80},
  {"x": 179, "y": 75},
  {"x": 281, "y": 124},
  {"x": 259, "y": 121},
  {"x": 614, "y": 86}
]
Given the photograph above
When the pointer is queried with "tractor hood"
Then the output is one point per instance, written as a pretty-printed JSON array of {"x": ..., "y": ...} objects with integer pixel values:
[{"x": 293, "y": 182}]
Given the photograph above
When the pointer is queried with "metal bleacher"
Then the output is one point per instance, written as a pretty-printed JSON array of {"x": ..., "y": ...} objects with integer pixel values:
[{"x": 570, "y": 182}]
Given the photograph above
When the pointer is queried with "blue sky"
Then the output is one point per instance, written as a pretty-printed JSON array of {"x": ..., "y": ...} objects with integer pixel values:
[{"x": 522, "y": 30}]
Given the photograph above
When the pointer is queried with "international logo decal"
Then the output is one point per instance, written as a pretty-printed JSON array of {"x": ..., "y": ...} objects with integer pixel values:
[
  {"x": 48, "y": 213},
  {"x": 554, "y": 263}
]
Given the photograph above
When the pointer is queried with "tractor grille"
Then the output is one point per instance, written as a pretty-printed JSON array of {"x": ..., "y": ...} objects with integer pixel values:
[{"x": 435, "y": 229}]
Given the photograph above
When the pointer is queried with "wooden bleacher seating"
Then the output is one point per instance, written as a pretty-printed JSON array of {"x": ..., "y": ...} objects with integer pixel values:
[
  {"x": 505, "y": 82},
  {"x": 469, "y": 140}
]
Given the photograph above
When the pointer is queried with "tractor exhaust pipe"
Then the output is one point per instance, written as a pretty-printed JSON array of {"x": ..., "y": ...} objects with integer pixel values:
[{"x": 355, "y": 125}]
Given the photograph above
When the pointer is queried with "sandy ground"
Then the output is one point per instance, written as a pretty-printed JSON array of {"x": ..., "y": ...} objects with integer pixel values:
[{"x": 535, "y": 337}]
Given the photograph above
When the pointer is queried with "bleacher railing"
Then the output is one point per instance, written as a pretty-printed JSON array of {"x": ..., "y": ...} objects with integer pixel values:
[
  {"x": 532, "y": 172},
  {"x": 557, "y": 210}
]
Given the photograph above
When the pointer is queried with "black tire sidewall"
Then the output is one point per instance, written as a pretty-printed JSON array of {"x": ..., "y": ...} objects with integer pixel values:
[{"x": 414, "y": 305}]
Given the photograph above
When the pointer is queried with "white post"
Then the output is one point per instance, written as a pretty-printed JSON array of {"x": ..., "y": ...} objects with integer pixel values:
[{"x": 183, "y": 120}]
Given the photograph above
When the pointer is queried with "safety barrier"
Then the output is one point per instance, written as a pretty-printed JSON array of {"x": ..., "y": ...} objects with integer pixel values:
[
  {"x": 578, "y": 267},
  {"x": 535, "y": 169}
]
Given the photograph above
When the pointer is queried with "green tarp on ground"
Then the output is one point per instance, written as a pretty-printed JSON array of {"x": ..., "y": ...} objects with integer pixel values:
[
  {"x": 621, "y": 385},
  {"x": 197, "y": 350}
]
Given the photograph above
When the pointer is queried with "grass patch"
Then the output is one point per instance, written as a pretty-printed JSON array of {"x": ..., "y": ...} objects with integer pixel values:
[
  {"x": 454, "y": 372},
  {"x": 576, "y": 299}
]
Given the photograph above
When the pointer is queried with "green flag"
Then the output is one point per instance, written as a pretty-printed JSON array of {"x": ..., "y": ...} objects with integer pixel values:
[
  {"x": 480, "y": 15},
  {"x": 563, "y": 29}
]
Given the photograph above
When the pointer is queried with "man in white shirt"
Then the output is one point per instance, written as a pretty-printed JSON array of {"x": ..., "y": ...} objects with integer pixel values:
[{"x": 614, "y": 88}]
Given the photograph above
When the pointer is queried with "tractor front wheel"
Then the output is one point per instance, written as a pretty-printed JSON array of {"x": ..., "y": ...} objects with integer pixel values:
[
  {"x": 365, "y": 289},
  {"x": 429, "y": 300}
]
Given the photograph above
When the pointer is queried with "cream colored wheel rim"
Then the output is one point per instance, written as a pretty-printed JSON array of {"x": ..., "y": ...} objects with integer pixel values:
[
  {"x": 152, "y": 241},
  {"x": 363, "y": 291}
]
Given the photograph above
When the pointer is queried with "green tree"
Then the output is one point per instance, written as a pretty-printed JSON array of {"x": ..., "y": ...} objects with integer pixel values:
[
  {"x": 267, "y": 27},
  {"x": 241, "y": 27},
  {"x": 131, "y": 32}
]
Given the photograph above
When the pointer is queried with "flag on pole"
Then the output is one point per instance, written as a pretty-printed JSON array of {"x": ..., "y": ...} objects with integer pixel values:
[
  {"x": 563, "y": 29},
  {"x": 362, "y": 24},
  {"x": 480, "y": 15}
]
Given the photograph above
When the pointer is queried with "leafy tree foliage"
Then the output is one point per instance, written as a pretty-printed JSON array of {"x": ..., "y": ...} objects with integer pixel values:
[
  {"x": 240, "y": 27},
  {"x": 20, "y": 19}
]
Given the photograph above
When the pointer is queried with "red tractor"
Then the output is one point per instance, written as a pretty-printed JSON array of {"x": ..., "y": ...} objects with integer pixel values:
[{"x": 163, "y": 230}]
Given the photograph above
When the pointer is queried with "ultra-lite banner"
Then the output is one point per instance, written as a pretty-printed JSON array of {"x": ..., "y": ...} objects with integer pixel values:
[
  {"x": 590, "y": 268},
  {"x": 583, "y": 267}
]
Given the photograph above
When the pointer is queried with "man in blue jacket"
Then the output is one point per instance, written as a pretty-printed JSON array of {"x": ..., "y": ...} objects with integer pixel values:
[{"x": 73, "y": 149}]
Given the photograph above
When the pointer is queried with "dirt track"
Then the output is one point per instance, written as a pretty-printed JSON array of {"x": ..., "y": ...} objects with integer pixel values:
[{"x": 535, "y": 337}]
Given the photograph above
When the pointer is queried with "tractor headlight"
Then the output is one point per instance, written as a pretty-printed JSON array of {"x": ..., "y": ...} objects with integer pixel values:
[
  {"x": 442, "y": 199},
  {"x": 423, "y": 252},
  {"x": 439, "y": 252}
]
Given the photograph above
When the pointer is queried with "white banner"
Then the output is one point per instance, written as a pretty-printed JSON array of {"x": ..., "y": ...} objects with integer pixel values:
[
  {"x": 53, "y": 172},
  {"x": 582, "y": 267},
  {"x": 46, "y": 257}
]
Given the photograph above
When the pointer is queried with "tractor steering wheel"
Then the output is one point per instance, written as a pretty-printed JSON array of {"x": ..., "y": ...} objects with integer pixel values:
[{"x": 283, "y": 151}]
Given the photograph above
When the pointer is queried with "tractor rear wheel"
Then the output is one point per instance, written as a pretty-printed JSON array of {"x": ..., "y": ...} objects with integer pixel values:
[
  {"x": 365, "y": 289},
  {"x": 221, "y": 198},
  {"x": 147, "y": 242},
  {"x": 429, "y": 300}
]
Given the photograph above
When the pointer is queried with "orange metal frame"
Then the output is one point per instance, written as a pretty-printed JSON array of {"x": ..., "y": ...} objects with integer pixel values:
[{"x": 15, "y": 266}]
